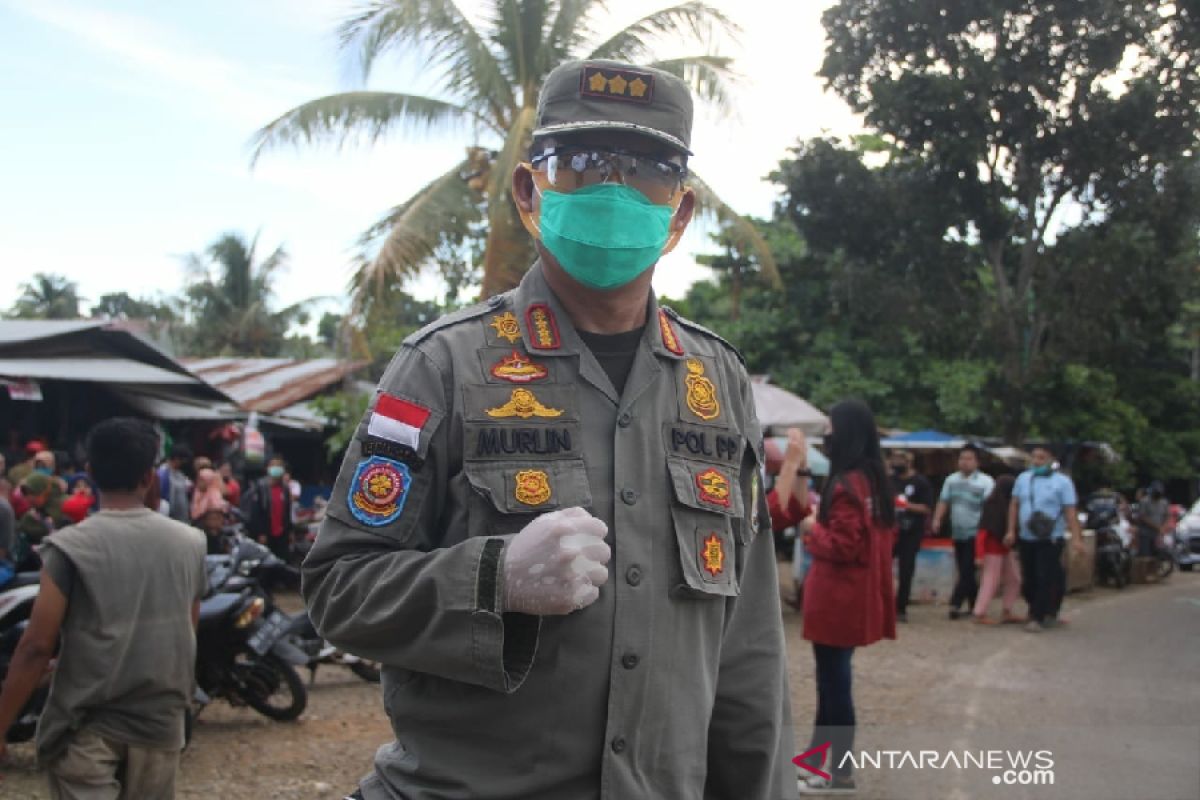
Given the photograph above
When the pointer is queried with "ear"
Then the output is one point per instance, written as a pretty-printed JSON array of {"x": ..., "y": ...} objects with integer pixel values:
[
  {"x": 680, "y": 219},
  {"x": 522, "y": 188}
]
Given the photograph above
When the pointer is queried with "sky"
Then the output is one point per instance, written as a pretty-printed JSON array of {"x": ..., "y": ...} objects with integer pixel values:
[{"x": 124, "y": 140}]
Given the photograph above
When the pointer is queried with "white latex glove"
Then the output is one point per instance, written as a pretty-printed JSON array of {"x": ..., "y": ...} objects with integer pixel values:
[{"x": 556, "y": 564}]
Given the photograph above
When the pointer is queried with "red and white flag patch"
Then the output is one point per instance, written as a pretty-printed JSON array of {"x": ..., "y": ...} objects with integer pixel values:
[{"x": 398, "y": 421}]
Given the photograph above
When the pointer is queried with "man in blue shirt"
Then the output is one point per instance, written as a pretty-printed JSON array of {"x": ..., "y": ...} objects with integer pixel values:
[
  {"x": 963, "y": 494},
  {"x": 1042, "y": 510}
]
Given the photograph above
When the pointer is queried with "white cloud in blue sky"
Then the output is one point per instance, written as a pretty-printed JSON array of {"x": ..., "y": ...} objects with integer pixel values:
[{"x": 125, "y": 129}]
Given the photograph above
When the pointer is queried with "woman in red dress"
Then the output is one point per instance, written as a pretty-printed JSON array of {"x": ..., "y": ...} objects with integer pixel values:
[{"x": 849, "y": 600}]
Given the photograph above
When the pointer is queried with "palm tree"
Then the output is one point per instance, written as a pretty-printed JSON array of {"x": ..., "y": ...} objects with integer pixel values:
[
  {"x": 490, "y": 75},
  {"x": 47, "y": 296},
  {"x": 230, "y": 308}
]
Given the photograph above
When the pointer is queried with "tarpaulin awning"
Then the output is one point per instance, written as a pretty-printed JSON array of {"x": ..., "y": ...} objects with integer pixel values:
[
  {"x": 779, "y": 409},
  {"x": 923, "y": 440}
]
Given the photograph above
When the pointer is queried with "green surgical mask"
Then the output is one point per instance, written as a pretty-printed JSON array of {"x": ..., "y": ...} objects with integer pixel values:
[
  {"x": 275, "y": 472},
  {"x": 1042, "y": 471},
  {"x": 604, "y": 235}
]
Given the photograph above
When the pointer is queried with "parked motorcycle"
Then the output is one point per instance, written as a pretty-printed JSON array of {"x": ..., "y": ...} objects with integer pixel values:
[
  {"x": 305, "y": 636},
  {"x": 243, "y": 654},
  {"x": 1114, "y": 562},
  {"x": 16, "y": 604}
]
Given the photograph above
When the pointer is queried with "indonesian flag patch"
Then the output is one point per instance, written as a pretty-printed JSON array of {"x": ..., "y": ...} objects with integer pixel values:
[{"x": 398, "y": 421}]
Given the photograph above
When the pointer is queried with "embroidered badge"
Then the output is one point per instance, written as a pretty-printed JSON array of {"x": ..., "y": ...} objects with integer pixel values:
[
  {"x": 523, "y": 404},
  {"x": 713, "y": 556},
  {"x": 669, "y": 338},
  {"x": 398, "y": 421},
  {"x": 543, "y": 328},
  {"x": 518, "y": 369},
  {"x": 506, "y": 326},
  {"x": 532, "y": 487},
  {"x": 714, "y": 487},
  {"x": 701, "y": 393},
  {"x": 607, "y": 83},
  {"x": 379, "y": 491}
]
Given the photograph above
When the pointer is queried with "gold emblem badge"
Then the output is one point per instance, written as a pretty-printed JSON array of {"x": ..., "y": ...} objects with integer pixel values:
[
  {"x": 701, "y": 393},
  {"x": 713, "y": 555},
  {"x": 533, "y": 487},
  {"x": 518, "y": 369},
  {"x": 523, "y": 404},
  {"x": 506, "y": 326},
  {"x": 714, "y": 487}
]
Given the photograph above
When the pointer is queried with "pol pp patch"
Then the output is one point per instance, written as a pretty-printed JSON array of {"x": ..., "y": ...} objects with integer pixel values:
[{"x": 379, "y": 491}]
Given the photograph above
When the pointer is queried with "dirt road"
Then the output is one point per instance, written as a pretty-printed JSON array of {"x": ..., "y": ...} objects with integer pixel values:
[{"x": 1115, "y": 695}]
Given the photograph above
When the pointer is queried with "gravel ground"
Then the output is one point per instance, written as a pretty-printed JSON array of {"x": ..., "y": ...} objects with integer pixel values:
[{"x": 238, "y": 755}]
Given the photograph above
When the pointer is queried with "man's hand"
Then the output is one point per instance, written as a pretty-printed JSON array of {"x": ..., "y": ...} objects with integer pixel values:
[
  {"x": 1010, "y": 539},
  {"x": 556, "y": 564}
]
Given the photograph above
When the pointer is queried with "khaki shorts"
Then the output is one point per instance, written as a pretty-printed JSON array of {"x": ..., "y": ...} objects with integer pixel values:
[{"x": 94, "y": 767}]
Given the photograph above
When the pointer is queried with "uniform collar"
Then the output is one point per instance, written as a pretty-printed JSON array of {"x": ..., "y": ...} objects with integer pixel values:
[{"x": 544, "y": 322}]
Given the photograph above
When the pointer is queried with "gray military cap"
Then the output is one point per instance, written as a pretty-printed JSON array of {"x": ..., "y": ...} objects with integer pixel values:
[{"x": 610, "y": 95}]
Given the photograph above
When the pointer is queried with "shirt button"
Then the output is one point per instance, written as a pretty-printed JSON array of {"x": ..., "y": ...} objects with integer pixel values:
[
  {"x": 625, "y": 420},
  {"x": 628, "y": 496},
  {"x": 633, "y": 575},
  {"x": 629, "y": 660},
  {"x": 618, "y": 745}
]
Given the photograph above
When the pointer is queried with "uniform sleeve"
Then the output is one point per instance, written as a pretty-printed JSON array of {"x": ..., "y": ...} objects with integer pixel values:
[
  {"x": 750, "y": 744},
  {"x": 379, "y": 581},
  {"x": 839, "y": 538}
]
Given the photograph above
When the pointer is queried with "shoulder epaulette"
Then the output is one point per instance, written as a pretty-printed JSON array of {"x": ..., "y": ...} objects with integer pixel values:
[
  {"x": 687, "y": 323},
  {"x": 455, "y": 317}
]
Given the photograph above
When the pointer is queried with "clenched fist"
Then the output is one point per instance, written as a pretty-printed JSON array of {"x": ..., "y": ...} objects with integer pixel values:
[{"x": 556, "y": 564}]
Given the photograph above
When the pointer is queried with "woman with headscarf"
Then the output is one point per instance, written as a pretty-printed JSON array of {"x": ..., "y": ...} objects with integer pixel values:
[{"x": 849, "y": 601}]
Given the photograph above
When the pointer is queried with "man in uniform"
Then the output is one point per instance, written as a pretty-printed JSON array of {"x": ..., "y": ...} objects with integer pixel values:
[{"x": 549, "y": 526}]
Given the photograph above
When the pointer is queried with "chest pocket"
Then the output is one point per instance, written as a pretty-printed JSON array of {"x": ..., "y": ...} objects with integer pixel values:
[
  {"x": 707, "y": 501},
  {"x": 508, "y": 496}
]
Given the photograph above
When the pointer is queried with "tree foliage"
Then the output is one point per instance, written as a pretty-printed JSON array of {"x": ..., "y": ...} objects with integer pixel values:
[
  {"x": 47, "y": 296},
  {"x": 1017, "y": 112}
]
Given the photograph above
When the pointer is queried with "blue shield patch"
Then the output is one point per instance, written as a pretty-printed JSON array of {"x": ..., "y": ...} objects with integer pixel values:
[{"x": 379, "y": 491}]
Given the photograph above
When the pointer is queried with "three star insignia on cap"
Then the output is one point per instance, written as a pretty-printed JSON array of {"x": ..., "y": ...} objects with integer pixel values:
[{"x": 609, "y": 83}]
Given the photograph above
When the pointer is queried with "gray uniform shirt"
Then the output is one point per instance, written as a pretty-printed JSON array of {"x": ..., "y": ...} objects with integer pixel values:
[
  {"x": 128, "y": 646},
  {"x": 673, "y": 684}
]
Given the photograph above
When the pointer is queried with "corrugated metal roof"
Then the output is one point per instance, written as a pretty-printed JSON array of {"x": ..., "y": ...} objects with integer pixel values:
[
  {"x": 94, "y": 370},
  {"x": 165, "y": 403},
  {"x": 271, "y": 384},
  {"x": 15, "y": 331}
]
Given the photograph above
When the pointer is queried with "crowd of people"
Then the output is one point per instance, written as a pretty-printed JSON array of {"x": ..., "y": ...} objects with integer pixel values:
[{"x": 46, "y": 491}]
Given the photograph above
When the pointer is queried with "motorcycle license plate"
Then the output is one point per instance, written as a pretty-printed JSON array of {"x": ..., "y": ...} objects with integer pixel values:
[{"x": 268, "y": 633}]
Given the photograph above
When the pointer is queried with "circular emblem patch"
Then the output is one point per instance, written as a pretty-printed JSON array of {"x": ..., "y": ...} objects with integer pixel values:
[
  {"x": 379, "y": 491},
  {"x": 533, "y": 487}
]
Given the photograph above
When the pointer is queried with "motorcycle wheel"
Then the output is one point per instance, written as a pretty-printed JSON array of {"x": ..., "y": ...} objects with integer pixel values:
[
  {"x": 367, "y": 670},
  {"x": 1166, "y": 565},
  {"x": 261, "y": 686}
]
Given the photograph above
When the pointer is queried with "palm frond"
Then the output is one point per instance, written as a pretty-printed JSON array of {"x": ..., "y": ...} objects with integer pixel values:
[
  {"x": 709, "y": 77},
  {"x": 342, "y": 117},
  {"x": 696, "y": 20},
  {"x": 740, "y": 229},
  {"x": 412, "y": 230},
  {"x": 518, "y": 32},
  {"x": 567, "y": 33},
  {"x": 439, "y": 30}
]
